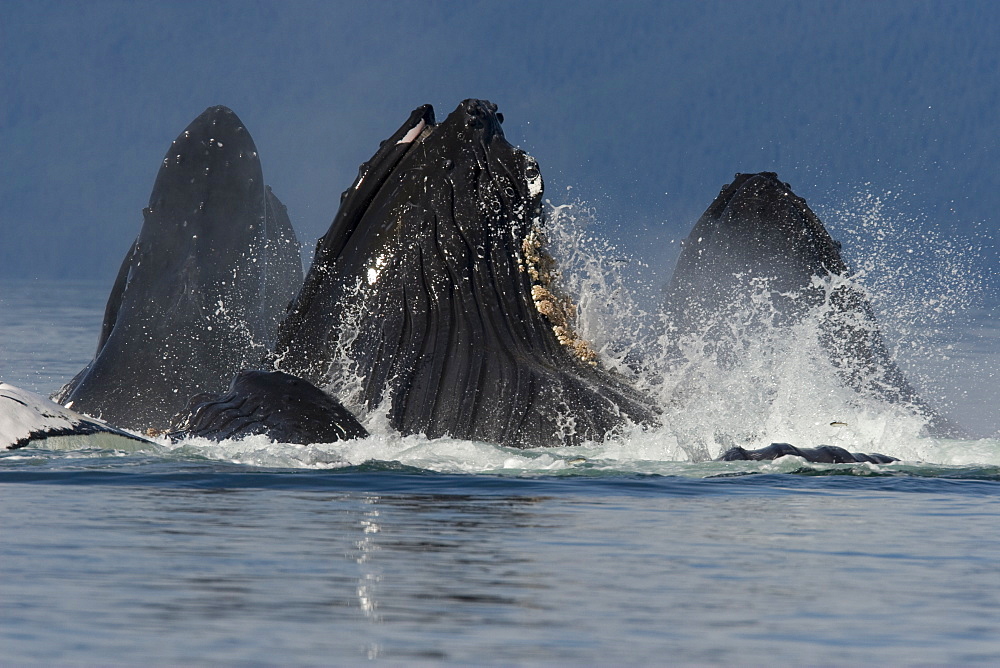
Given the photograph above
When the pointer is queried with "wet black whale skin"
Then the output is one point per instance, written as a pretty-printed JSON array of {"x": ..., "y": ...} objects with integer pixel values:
[
  {"x": 420, "y": 288},
  {"x": 200, "y": 293}
]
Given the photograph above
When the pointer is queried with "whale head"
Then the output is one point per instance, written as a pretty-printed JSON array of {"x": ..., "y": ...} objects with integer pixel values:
[
  {"x": 758, "y": 262},
  {"x": 432, "y": 287},
  {"x": 757, "y": 234},
  {"x": 212, "y": 165},
  {"x": 200, "y": 292},
  {"x": 456, "y": 168}
]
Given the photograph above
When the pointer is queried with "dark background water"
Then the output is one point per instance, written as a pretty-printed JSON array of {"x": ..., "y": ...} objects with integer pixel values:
[{"x": 643, "y": 108}]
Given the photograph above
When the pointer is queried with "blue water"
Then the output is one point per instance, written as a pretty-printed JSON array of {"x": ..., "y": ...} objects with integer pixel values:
[{"x": 404, "y": 550}]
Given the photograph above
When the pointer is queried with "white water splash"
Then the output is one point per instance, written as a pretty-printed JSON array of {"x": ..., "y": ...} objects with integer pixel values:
[
  {"x": 600, "y": 278},
  {"x": 925, "y": 285},
  {"x": 780, "y": 388},
  {"x": 777, "y": 384}
]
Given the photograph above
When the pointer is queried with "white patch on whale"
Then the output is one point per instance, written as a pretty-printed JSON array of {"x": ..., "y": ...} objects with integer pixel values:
[
  {"x": 413, "y": 133},
  {"x": 27, "y": 418}
]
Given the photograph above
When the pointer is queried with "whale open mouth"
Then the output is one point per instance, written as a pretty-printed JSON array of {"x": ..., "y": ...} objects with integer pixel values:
[
  {"x": 466, "y": 155},
  {"x": 384, "y": 176}
]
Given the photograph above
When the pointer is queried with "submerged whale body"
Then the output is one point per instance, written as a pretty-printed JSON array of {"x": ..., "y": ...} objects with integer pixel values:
[
  {"x": 433, "y": 289},
  {"x": 201, "y": 291},
  {"x": 273, "y": 404},
  {"x": 823, "y": 454},
  {"x": 30, "y": 419},
  {"x": 760, "y": 239}
]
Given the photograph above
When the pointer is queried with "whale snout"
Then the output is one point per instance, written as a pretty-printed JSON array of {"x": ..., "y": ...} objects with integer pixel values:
[{"x": 482, "y": 115}]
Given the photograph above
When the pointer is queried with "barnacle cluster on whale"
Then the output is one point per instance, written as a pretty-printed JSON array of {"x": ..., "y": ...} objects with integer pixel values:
[
  {"x": 432, "y": 297},
  {"x": 557, "y": 308}
]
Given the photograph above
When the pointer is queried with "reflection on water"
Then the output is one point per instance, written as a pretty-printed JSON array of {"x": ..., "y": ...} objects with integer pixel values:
[
  {"x": 370, "y": 577},
  {"x": 236, "y": 573},
  {"x": 280, "y": 576}
]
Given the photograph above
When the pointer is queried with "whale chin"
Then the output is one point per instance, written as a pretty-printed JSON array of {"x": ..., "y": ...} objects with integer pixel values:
[{"x": 432, "y": 288}]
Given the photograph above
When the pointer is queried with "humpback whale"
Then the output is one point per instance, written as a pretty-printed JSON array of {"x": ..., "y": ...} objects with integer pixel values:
[
  {"x": 199, "y": 295},
  {"x": 272, "y": 403},
  {"x": 756, "y": 228},
  {"x": 823, "y": 454},
  {"x": 432, "y": 292},
  {"x": 30, "y": 419},
  {"x": 760, "y": 236}
]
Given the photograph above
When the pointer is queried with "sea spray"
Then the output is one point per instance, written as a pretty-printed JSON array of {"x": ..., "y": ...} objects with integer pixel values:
[
  {"x": 601, "y": 280},
  {"x": 766, "y": 381},
  {"x": 754, "y": 379},
  {"x": 922, "y": 284}
]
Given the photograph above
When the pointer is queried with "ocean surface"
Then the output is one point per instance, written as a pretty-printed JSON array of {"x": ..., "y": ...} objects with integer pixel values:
[{"x": 409, "y": 550}]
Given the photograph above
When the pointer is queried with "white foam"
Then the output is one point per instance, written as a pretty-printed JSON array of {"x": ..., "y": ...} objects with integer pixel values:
[{"x": 642, "y": 452}]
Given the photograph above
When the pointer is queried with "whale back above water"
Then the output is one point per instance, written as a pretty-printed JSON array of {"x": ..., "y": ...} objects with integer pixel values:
[
  {"x": 201, "y": 290},
  {"x": 432, "y": 288},
  {"x": 823, "y": 454}
]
